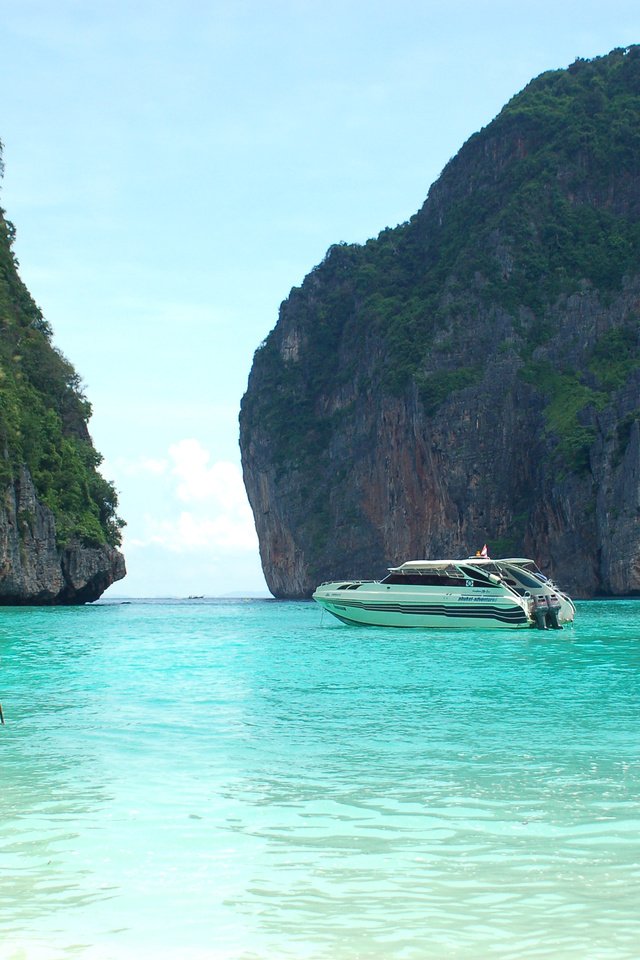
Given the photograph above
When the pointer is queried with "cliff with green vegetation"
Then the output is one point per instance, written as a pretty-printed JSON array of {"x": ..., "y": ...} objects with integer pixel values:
[
  {"x": 472, "y": 375},
  {"x": 59, "y": 529}
]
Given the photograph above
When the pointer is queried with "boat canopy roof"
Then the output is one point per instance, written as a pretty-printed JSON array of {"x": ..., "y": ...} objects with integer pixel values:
[{"x": 412, "y": 565}]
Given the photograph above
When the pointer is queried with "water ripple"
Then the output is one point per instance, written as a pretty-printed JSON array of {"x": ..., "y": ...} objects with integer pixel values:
[{"x": 242, "y": 782}]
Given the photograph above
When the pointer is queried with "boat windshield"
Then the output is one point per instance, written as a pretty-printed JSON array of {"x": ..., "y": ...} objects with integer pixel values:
[
  {"x": 527, "y": 578},
  {"x": 481, "y": 575}
]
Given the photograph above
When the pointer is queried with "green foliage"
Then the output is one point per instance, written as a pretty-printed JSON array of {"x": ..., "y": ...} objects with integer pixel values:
[
  {"x": 569, "y": 395},
  {"x": 616, "y": 354},
  {"x": 43, "y": 418},
  {"x": 568, "y": 398},
  {"x": 435, "y": 388},
  {"x": 539, "y": 206},
  {"x": 535, "y": 206}
]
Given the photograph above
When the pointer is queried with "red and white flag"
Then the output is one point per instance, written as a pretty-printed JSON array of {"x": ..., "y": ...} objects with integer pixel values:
[{"x": 484, "y": 552}]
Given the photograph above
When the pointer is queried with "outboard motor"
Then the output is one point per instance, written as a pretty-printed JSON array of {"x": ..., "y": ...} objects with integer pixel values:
[
  {"x": 540, "y": 611},
  {"x": 553, "y": 609}
]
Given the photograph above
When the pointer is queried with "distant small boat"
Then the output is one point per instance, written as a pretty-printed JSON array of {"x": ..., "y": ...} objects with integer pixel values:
[
  {"x": 200, "y": 597},
  {"x": 477, "y": 593}
]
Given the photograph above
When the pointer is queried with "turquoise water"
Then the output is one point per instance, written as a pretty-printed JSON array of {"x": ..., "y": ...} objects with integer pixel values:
[{"x": 246, "y": 780}]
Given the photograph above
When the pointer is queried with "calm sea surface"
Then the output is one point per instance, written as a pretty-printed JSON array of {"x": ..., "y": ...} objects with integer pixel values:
[{"x": 244, "y": 780}]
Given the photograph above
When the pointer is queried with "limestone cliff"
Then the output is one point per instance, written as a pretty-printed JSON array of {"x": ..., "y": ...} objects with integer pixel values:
[
  {"x": 473, "y": 375},
  {"x": 59, "y": 529},
  {"x": 34, "y": 569}
]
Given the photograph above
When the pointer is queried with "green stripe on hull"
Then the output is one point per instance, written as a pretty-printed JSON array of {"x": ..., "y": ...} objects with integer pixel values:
[{"x": 483, "y": 615}]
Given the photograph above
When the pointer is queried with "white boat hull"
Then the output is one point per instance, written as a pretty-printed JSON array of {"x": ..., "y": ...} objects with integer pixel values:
[{"x": 451, "y": 609}]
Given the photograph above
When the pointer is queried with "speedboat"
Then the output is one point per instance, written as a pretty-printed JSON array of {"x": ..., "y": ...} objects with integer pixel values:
[{"x": 477, "y": 593}]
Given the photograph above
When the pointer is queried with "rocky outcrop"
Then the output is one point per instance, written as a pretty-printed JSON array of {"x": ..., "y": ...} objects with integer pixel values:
[
  {"x": 394, "y": 483},
  {"x": 33, "y": 568},
  {"x": 59, "y": 527},
  {"x": 474, "y": 375}
]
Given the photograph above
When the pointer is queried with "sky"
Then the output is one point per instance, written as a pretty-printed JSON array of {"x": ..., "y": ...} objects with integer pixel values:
[{"x": 175, "y": 167}]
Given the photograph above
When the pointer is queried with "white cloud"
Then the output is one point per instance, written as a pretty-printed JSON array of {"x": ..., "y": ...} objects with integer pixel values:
[
  {"x": 193, "y": 532},
  {"x": 219, "y": 483},
  {"x": 204, "y": 506}
]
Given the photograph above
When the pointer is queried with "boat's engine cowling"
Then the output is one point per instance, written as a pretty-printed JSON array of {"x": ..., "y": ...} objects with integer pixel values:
[
  {"x": 552, "y": 615},
  {"x": 545, "y": 612}
]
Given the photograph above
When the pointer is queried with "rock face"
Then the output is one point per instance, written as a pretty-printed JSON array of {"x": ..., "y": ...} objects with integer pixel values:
[
  {"x": 33, "y": 569},
  {"x": 58, "y": 523},
  {"x": 473, "y": 375}
]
